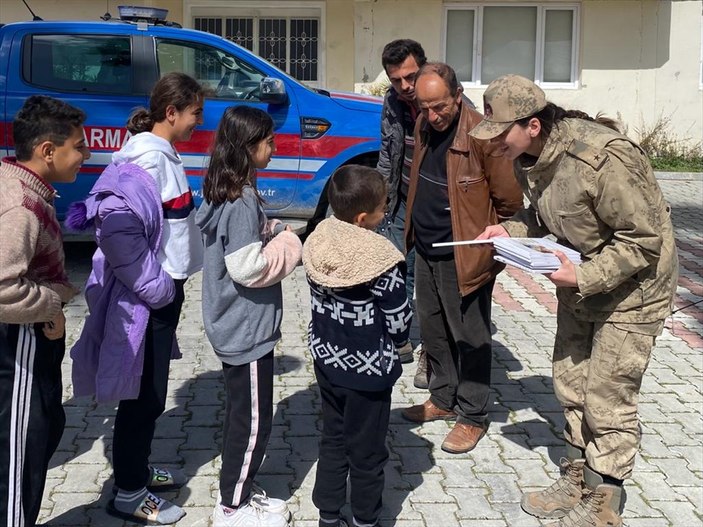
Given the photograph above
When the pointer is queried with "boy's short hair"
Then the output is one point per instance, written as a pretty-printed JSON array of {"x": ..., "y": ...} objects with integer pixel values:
[
  {"x": 355, "y": 189},
  {"x": 43, "y": 118}
]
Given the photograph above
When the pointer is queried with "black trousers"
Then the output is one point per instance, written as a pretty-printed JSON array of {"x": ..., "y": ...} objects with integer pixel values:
[
  {"x": 32, "y": 418},
  {"x": 353, "y": 443},
  {"x": 247, "y": 427},
  {"x": 456, "y": 334},
  {"x": 135, "y": 421}
]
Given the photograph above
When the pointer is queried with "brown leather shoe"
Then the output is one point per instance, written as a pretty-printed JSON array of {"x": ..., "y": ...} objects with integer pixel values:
[
  {"x": 463, "y": 438},
  {"x": 427, "y": 411}
]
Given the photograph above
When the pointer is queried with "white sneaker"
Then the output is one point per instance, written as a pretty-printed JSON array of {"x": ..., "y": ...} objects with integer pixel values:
[
  {"x": 272, "y": 505},
  {"x": 247, "y": 515}
]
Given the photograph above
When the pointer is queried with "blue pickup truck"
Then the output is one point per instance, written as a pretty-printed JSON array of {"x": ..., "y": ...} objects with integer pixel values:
[{"x": 108, "y": 68}]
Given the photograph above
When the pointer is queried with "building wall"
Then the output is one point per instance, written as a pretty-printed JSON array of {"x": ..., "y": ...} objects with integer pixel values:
[
  {"x": 639, "y": 60},
  {"x": 338, "y": 44},
  {"x": 377, "y": 22}
]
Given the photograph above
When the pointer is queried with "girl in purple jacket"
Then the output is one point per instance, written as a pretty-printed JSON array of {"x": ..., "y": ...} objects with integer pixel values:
[{"x": 148, "y": 245}]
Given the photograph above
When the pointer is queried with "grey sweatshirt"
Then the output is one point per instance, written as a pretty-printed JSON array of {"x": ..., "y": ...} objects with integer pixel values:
[{"x": 243, "y": 266}]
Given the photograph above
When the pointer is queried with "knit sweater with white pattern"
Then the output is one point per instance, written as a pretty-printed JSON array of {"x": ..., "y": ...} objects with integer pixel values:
[{"x": 360, "y": 309}]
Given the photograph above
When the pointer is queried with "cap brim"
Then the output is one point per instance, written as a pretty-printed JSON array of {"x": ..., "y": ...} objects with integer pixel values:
[{"x": 489, "y": 129}]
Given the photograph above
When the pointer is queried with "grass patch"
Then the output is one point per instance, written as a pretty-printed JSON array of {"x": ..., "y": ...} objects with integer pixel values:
[{"x": 668, "y": 152}]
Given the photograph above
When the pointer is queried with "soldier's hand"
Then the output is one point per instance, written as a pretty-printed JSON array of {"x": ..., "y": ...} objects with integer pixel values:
[
  {"x": 55, "y": 328},
  {"x": 565, "y": 276},
  {"x": 493, "y": 231}
]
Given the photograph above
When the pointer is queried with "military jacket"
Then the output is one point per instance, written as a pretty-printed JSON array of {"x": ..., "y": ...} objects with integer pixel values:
[{"x": 594, "y": 190}]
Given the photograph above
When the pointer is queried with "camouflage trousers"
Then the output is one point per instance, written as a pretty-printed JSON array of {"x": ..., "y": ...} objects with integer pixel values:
[{"x": 597, "y": 370}]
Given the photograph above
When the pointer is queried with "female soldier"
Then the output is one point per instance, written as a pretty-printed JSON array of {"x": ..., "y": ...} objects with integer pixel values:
[{"x": 593, "y": 189}]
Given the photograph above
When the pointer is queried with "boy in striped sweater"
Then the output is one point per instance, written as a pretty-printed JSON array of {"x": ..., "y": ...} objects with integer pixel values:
[{"x": 49, "y": 148}]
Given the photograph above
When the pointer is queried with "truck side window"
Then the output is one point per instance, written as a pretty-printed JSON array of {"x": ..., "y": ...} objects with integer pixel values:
[
  {"x": 227, "y": 76},
  {"x": 81, "y": 63}
]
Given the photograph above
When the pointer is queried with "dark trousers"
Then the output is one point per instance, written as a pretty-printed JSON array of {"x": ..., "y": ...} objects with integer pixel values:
[
  {"x": 456, "y": 334},
  {"x": 32, "y": 418},
  {"x": 247, "y": 427},
  {"x": 393, "y": 228},
  {"x": 135, "y": 421},
  {"x": 353, "y": 443}
]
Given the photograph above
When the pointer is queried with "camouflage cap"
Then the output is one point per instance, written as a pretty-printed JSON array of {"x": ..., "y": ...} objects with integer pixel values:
[{"x": 506, "y": 100}]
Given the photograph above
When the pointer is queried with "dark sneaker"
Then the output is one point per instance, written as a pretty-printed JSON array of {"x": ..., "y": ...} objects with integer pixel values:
[
  {"x": 341, "y": 522},
  {"x": 405, "y": 353},
  {"x": 422, "y": 375}
]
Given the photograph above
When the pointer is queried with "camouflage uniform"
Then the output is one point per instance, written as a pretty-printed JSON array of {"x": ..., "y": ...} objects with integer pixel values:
[{"x": 594, "y": 190}]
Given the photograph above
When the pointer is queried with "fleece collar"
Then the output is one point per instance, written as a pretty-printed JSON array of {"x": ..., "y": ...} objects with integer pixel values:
[{"x": 339, "y": 254}]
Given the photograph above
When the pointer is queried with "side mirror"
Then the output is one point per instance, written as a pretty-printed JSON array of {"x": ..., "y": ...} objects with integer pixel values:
[{"x": 272, "y": 91}]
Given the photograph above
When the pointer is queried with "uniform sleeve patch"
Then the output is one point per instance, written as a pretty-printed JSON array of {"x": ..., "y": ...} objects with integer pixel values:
[{"x": 586, "y": 153}]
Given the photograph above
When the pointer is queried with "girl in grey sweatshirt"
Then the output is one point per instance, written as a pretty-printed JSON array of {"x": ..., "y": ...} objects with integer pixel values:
[{"x": 246, "y": 257}]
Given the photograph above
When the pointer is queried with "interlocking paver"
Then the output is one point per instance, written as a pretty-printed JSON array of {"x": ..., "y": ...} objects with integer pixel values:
[{"x": 426, "y": 487}]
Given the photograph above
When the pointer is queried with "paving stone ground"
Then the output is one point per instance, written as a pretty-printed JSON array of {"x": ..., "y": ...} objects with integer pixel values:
[{"x": 425, "y": 487}]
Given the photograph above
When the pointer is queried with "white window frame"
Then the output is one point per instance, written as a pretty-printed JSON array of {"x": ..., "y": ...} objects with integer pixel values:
[
  {"x": 542, "y": 8},
  {"x": 264, "y": 9}
]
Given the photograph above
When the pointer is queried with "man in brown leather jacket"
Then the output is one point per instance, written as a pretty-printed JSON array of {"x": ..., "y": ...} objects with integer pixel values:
[{"x": 458, "y": 186}]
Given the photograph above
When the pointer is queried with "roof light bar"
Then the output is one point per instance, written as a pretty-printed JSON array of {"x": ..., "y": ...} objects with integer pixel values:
[{"x": 136, "y": 13}]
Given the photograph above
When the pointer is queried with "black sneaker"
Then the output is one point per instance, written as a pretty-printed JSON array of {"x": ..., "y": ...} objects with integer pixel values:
[{"x": 341, "y": 522}]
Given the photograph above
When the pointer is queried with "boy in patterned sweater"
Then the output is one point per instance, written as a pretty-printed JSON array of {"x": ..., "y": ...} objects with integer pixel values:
[
  {"x": 360, "y": 317},
  {"x": 49, "y": 148}
]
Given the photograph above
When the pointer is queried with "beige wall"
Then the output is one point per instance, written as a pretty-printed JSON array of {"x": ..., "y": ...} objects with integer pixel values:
[
  {"x": 339, "y": 44},
  {"x": 638, "y": 59},
  {"x": 377, "y": 22}
]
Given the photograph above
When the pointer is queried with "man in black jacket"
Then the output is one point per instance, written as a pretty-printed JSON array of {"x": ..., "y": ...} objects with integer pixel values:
[{"x": 401, "y": 59}]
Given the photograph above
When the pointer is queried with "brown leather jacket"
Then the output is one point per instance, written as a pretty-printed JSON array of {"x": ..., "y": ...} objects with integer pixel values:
[{"x": 482, "y": 191}]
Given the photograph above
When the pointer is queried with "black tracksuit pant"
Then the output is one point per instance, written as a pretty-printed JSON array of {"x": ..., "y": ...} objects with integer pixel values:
[
  {"x": 32, "y": 418},
  {"x": 247, "y": 427},
  {"x": 353, "y": 443},
  {"x": 135, "y": 421}
]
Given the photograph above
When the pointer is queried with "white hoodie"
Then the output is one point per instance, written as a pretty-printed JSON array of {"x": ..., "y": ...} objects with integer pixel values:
[{"x": 181, "y": 252}]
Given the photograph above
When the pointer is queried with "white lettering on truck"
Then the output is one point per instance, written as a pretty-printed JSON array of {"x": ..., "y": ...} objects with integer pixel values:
[{"x": 106, "y": 138}]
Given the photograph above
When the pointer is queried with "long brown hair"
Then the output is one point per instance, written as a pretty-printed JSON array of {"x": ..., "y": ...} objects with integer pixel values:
[
  {"x": 550, "y": 115},
  {"x": 173, "y": 89},
  {"x": 231, "y": 168}
]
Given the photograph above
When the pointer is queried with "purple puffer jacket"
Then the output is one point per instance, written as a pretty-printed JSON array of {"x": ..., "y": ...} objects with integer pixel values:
[{"x": 126, "y": 281}]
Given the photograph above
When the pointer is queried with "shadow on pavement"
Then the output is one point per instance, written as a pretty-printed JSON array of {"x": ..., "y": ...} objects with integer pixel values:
[{"x": 530, "y": 396}]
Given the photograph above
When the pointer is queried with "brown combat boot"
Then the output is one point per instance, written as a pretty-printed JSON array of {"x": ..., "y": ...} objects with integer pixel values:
[
  {"x": 564, "y": 494},
  {"x": 422, "y": 375},
  {"x": 599, "y": 507}
]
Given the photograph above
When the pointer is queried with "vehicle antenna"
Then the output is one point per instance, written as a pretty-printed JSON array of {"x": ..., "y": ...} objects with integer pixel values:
[{"x": 34, "y": 17}]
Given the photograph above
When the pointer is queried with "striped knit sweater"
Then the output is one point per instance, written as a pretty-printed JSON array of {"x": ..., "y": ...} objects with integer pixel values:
[{"x": 33, "y": 281}]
